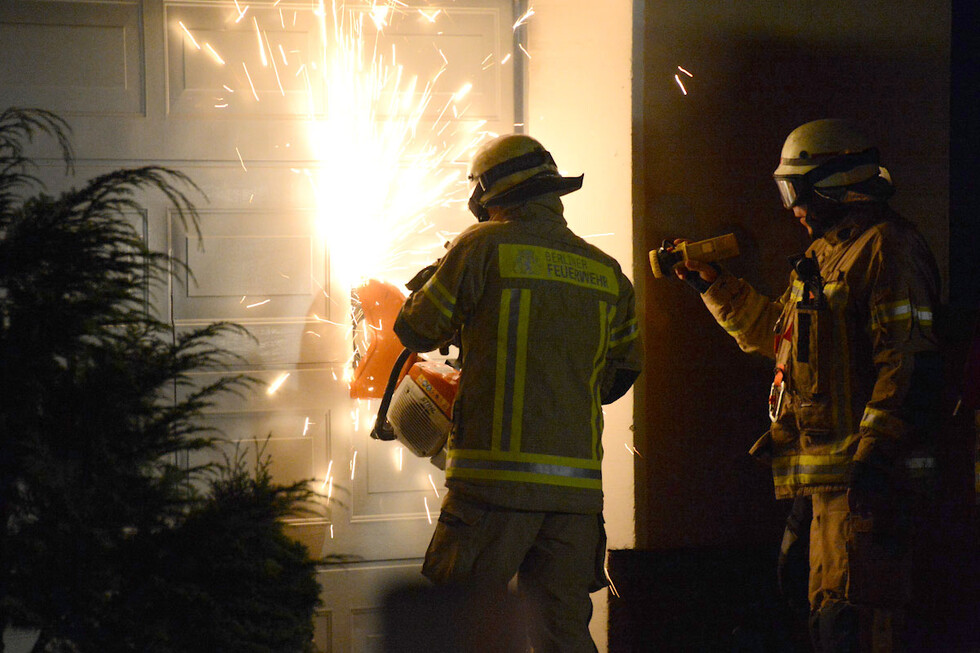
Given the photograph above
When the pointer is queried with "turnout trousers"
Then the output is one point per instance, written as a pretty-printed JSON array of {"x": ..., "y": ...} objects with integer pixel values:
[
  {"x": 557, "y": 558},
  {"x": 859, "y": 578}
]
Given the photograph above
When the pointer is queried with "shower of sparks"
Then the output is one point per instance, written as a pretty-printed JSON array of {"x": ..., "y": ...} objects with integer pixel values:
[
  {"x": 677, "y": 79},
  {"x": 428, "y": 513},
  {"x": 523, "y": 19},
  {"x": 215, "y": 56},
  {"x": 685, "y": 72},
  {"x": 189, "y": 35},
  {"x": 433, "y": 484},
  {"x": 275, "y": 385},
  {"x": 381, "y": 156},
  {"x": 389, "y": 143}
]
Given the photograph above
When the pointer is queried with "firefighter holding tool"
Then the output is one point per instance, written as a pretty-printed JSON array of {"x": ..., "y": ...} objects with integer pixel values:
[
  {"x": 548, "y": 334},
  {"x": 856, "y": 379}
]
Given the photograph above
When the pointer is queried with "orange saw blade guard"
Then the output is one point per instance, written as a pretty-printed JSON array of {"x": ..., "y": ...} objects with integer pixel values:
[{"x": 374, "y": 307}]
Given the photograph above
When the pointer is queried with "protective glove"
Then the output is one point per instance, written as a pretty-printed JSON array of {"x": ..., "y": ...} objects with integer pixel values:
[{"x": 693, "y": 278}]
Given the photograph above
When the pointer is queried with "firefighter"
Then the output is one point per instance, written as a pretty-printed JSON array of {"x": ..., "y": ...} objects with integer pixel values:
[
  {"x": 548, "y": 334},
  {"x": 856, "y": 378}
]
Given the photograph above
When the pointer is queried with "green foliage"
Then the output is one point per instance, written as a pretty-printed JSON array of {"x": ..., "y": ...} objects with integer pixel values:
[
  {"x": 228, "y": 578},
  {"x": 101, "y": 405}
]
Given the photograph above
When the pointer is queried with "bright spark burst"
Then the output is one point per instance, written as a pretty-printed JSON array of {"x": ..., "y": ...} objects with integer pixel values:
[{"x": 384, "y": 164}]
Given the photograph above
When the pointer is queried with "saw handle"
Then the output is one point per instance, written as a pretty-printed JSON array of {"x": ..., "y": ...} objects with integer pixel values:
[{"x": 382, "y": 429}]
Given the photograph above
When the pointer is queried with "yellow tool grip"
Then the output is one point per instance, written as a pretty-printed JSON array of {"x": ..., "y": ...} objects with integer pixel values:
[{"x": 712, "y": 249}]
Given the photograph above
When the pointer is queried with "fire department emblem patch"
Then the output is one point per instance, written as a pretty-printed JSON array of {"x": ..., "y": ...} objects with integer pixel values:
[{"x": 525, "y": 262}]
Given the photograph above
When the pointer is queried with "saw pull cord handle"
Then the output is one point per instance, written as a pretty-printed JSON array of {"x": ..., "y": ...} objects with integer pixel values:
[{"x": 382, "y": 429}]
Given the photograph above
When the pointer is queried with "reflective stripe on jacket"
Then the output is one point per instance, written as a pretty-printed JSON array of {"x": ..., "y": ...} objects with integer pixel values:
[
  {"x": 544, "y": 317},
  {"x": 848, "y": 372}
]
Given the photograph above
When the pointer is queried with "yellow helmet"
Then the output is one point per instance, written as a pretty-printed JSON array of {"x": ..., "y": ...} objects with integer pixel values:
[
  {"x": 824, "y": 154},
  {"x": 511, "y": 169}
]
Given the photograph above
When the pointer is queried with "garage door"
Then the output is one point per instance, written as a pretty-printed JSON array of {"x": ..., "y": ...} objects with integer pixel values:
[{"x": 331, "y": 143}]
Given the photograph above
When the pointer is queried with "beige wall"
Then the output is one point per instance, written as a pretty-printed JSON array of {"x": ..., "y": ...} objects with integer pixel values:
[{"x": 579, "y": 106}]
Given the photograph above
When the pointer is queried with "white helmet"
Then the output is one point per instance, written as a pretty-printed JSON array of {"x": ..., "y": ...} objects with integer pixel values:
[
  {"x": 822, "y": 157},
  {"x": 511, "y": 169}
]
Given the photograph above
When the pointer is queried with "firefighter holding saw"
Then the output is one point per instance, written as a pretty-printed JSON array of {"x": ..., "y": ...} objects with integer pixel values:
[
  {"x": 856, "y": 378},
  {"x": 548, "y": 334}
]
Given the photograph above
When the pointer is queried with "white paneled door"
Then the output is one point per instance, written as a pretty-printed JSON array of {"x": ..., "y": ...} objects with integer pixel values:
[{"x": 330, "y": 141}]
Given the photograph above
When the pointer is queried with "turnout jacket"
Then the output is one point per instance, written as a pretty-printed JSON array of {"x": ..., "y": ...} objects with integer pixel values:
[
  {"x": 853, "y": 373},
  {"x": 545, "y": 320}
]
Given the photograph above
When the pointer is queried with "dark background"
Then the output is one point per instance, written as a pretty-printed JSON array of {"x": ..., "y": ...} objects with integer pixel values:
[{"x": 707, "y": 524}]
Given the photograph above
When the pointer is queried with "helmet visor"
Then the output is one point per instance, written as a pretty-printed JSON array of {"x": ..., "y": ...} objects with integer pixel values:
[{"x": 790, "y": 190}]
